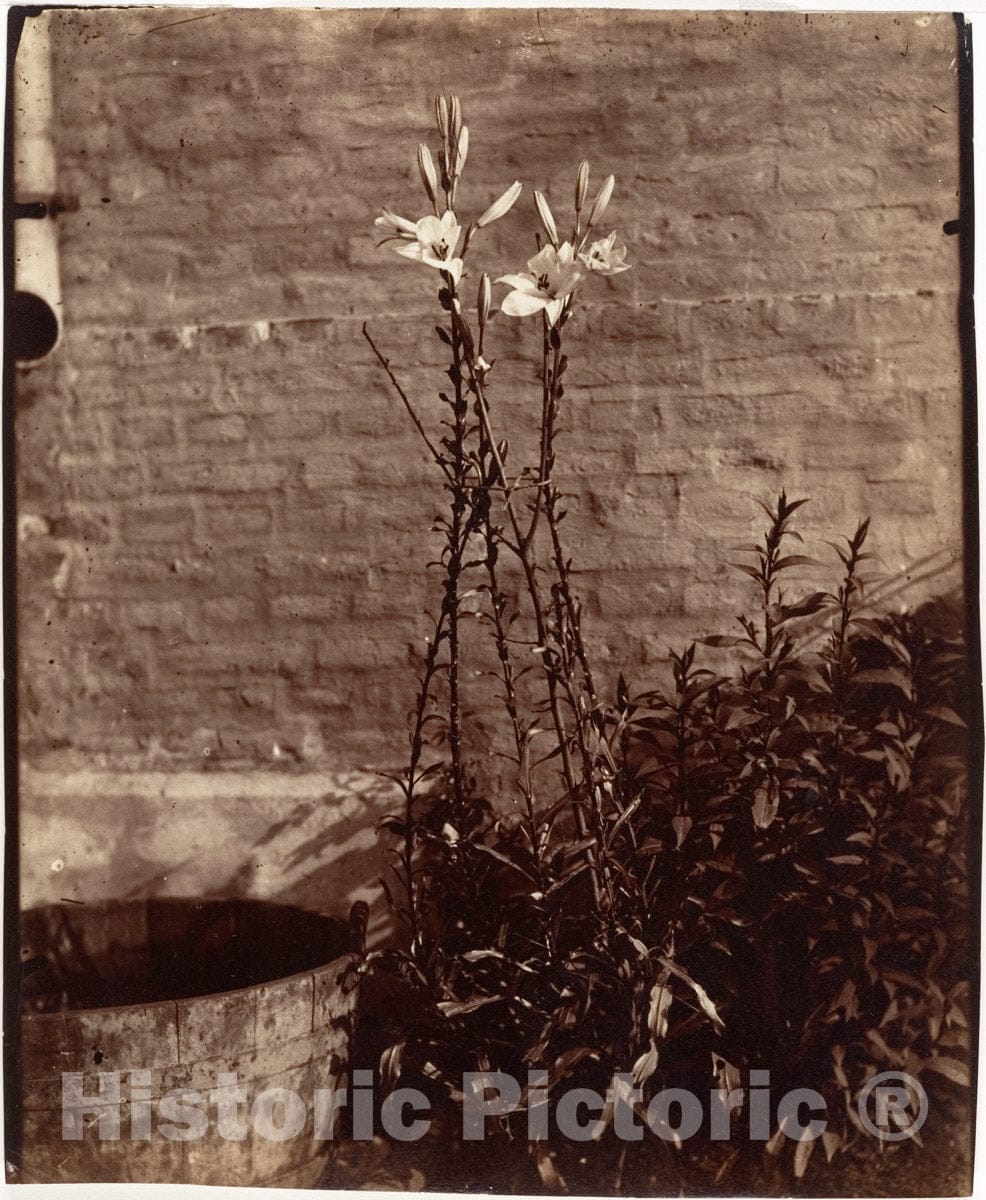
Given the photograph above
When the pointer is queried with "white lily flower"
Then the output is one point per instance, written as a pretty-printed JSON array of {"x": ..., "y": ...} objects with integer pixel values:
[
  {"x": 605, "y": 257},
  {"x": 434, "y": 244},
  {"x": 552, "y": 276}
]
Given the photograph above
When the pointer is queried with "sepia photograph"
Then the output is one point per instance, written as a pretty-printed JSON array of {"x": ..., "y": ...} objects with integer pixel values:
[{"x": 493, "y": 685}]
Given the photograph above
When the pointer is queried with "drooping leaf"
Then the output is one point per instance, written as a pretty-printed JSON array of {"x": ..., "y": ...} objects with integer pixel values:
[
  {"x": 951, "y": 1068},
  {"x": 766, "y": 803},
  {"x": 545, "y": 1161},
  {"x": 390, "y": 1066},
  {"x": 942, "y": 713},
  {"x": 645, "y": 1066},
  {"x": 392, "y": 824},
  {"x": 458, "y": 1008},
  {"x": 681, "y": 826},
  {"x": 802, "y": 1154},
  {"x": 479, "y": 955},
  {"x": 777, "y": 1139},
  {"x": 795, "y": 560},
  {"x": 503, "y": 858},
  {"x": 805, "y": 608},
  {"x": 832, "y": 1143},
  {"x": 728, "y": 1080},
  {"x": 705, "y": 1002},
  {"x": 753, "y": 572},
  {"x": 888, "y": 677},
  {"x": 886, "y": 1052}
]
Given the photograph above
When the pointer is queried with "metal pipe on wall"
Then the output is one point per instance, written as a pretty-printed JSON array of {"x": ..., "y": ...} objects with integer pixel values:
[{"x": 36, "y": 307}]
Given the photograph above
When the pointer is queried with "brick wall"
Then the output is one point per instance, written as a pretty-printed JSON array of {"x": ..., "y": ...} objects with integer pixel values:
[{"x": 224, "y": 513}]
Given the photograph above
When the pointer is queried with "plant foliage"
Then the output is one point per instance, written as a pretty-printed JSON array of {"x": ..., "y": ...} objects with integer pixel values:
[{"x": 760, "y": 867}]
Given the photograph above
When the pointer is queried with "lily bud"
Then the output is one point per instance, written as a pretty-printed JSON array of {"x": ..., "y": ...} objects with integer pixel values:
[
  {"x": 581, "y": 185},
  {"x": 547, "y": 220},
  {"x": 443, "y": 166},
  {"x": 464, "y": 333},
  {"x": 441, "y": 116},
  {"x": 602, "y": 199},
  {"x": 461, "y": 150},
  {"x": 456, "y": 115},
  {"x": 483, "y": 299},
  {"x": 499, "y": 208},
  {"x": 429, "y": 176}
]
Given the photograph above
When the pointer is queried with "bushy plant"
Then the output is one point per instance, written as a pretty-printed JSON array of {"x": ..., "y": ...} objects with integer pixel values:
[{"x": 760, "y": 868}]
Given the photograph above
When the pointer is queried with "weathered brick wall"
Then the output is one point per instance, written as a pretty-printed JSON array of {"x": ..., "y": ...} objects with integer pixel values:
[{"x": 224, "y": 513}]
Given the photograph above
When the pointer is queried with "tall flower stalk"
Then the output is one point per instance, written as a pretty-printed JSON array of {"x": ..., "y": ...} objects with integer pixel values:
[{"x": 504, "y": 513}]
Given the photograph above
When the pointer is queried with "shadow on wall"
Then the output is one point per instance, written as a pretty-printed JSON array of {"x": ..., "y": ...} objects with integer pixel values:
[{"x": 307, "y": 840}]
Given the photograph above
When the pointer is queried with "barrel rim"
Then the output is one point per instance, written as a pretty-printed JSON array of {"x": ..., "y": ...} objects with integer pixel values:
[{"x": 41, "y": 1018}]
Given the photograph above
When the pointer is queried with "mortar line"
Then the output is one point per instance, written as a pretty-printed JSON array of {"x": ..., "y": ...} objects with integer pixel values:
[{"x": 682, "y": 302}]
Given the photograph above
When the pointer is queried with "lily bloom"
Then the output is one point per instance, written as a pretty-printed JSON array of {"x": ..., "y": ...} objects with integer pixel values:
[
  {"x": 605, "y": 257},
  {"x": 434, "y": 242},
  {"x": 552, "y": 276}
]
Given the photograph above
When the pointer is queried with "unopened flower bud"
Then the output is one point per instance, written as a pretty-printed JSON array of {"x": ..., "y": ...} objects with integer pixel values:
[
  {"x": 429, "y": 176},
  {"x": 443, "y": 167},
  {"x": 602, "y": 199},
  {"x": 441, "y": 116},
  {"x": 483, "y": 299},
  {"x": 455, "y": 110},
  {"x": 547, "y": 220},
  {"x": 462, "y": 149},
  {"x": 581, "y": 185},
  {"x": 501, "y": 449},
  {"x": 502, "y": 206}
]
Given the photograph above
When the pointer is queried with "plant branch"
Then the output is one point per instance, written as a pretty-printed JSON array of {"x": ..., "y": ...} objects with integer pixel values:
[{"x": 385, "y": 363}]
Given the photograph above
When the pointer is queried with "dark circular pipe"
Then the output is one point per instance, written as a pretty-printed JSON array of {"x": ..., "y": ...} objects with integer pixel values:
[{"x": 32, "y": 328}]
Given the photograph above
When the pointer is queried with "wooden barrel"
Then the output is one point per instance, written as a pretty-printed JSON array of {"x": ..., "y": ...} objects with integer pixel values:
[{"x": 141, "y": 1007}]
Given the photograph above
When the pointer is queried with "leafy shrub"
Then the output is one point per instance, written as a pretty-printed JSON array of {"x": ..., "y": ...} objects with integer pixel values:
[{"x": 760, "y": 868}]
